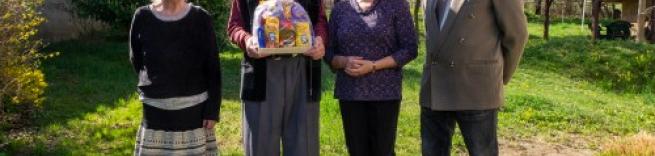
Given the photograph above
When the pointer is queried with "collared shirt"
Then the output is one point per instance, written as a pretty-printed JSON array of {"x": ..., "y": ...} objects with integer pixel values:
[{"x": 446, "y": 12}]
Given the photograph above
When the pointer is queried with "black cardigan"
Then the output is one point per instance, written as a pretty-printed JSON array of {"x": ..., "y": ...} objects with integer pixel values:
[
  {"x": 177, "y": 58},
  {"x": 254, "y": 70}
]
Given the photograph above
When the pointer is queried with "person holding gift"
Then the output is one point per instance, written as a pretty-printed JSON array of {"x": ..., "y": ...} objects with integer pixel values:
[
  {"x": 174, "y": 52},
  {"x": 280, "y": 93},
  {"x": 370, "y": 42}
]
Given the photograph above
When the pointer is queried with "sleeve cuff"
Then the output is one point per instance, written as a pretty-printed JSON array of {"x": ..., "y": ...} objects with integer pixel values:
[
  {"x": 400, "y": 59},
  {"x": 328, "y": 58},
  {"x": 211, "y": 112}
]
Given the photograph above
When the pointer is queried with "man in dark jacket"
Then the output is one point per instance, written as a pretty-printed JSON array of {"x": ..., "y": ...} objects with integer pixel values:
[{"x": 473, "y": 48}]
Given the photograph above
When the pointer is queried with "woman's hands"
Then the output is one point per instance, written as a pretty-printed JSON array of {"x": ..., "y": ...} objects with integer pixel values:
[
  {"x": 359, "y": 67},
  {"x": 353, "y": 65},
  {"x": 356, "y": 66},
  {"x": 208, "y": 124}
]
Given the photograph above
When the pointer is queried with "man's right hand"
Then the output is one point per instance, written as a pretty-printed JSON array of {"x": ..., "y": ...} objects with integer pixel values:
[{"x": 252, "y": 49}]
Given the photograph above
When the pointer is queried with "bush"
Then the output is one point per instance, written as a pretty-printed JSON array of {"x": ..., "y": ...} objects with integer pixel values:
[
  {"x": 532, "y": 17},
  {"x": 118, "y": 13},
  {"x": 21, "y": 81}
]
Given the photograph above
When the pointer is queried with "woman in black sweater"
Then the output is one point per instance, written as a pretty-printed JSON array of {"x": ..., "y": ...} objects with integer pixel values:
[{"x": 173, "y": 50}]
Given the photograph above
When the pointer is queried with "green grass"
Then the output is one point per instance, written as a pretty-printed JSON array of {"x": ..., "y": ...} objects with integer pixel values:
[{"x": 91, "y": 106}]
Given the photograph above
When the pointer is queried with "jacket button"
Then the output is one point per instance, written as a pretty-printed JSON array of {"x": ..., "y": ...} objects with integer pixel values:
[
  {"x": 434, "y": 62},
  {"x": 472, "y": 16},
  {"x": 462, "y": 41},
  {"x": 452, "y": 64}
]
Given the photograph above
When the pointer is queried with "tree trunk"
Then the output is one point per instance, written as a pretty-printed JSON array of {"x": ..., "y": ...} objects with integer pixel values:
[
  {"x": 595, "y": 12},
  {"x": 417, "y": 7},
  {"x": 2, "y": 108},
  {"x": 547, "y": 18},
  {"x": 582, "y": 4},
  {"x": 641, "y": 18},
  {"x": 537, "y": 7},
  {"x": 570, "y": 8}
]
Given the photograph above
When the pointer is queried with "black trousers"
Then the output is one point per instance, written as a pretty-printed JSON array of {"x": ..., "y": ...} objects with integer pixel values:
[
  {"x": 370, "y": 126},
  {"x": 478, "y": 129}
]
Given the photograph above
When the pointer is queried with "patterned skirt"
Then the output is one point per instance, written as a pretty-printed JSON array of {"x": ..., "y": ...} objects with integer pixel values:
[
  {"x": 193, "y": 142},
  {"x": 176, "y": 131}
]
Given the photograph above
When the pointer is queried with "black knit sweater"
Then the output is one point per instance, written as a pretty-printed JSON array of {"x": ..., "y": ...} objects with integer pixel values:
[{"x": 177, "y": 58}]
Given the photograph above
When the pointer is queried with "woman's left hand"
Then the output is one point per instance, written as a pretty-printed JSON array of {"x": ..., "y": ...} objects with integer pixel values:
[
  {"x": 363, "y": 67},
  {"x": 208, "y": 124},
  {"x": 318, "y": 50}
]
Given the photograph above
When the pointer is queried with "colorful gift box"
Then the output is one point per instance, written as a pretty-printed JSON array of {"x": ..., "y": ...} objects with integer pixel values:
[{"x": 282, "y": 27}]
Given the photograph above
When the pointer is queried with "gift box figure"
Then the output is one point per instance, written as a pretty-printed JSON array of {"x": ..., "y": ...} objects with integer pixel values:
[{"x": 282, "y": 27}]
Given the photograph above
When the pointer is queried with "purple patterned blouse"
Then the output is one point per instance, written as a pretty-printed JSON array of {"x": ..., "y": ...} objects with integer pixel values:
[{"x": 384, "y": 30}]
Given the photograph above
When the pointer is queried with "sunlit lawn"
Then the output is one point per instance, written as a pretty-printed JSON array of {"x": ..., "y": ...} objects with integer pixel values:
[{"x": 91, "y": 106}]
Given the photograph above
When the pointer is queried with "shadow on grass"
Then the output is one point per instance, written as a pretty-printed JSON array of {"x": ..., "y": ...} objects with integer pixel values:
[
  {"x": 86, "y": 75},
  {"x": 231, "y": 68}
]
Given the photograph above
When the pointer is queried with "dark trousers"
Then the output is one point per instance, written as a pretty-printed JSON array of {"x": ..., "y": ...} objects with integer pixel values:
[
  {"x": 478, "y": 129},
  {"x": 370, "y": 126}
]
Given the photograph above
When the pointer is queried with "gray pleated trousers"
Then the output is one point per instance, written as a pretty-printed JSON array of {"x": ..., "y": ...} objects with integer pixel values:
[{"x": 286, "y": 117}]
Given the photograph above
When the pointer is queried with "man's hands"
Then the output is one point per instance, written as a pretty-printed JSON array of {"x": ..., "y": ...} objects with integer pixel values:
[
  {"x": 252, "y": 49},
  {"x": 318, "y": 50}
]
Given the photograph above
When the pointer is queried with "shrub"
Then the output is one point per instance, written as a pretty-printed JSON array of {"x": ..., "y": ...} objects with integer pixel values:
[
  {"x": 532, "y": 17},
  {"x": 21, "y": 81},
  {"x": 118, "y": 13}
]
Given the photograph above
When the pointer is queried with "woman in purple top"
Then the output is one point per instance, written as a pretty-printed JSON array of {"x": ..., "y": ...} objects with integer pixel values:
[{"x": 370, "y": 41}]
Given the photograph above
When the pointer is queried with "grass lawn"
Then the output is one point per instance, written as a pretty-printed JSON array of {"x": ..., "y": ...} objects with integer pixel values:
[{"x": 92, "y": 109}]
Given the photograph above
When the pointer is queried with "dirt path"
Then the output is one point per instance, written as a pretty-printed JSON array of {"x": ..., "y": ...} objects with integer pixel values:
[{"x": 539, "y": 148}]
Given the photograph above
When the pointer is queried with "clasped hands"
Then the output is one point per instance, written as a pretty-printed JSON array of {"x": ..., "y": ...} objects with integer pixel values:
[
  {"x": 355, "y": 66},
  {"x": 316, "y": 52}
]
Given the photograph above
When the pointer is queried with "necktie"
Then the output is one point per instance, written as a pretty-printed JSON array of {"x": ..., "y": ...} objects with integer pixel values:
[{"x": 441, "y": 8}]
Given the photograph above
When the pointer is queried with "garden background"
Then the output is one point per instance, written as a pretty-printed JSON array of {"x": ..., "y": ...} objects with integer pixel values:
[{"x": 73, "y": 93}]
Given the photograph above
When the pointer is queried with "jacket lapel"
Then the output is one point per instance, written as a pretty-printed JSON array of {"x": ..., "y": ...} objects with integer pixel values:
[
  {"x": 450, "y": 21},
  {"x": 431, "y": 25},
  {"x": 431, "y": 17}
]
